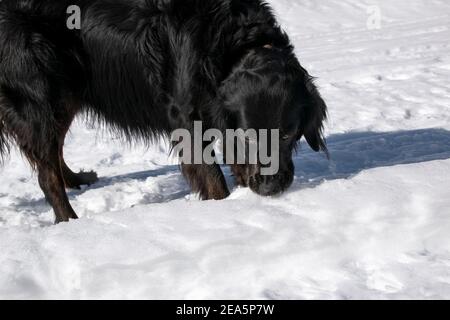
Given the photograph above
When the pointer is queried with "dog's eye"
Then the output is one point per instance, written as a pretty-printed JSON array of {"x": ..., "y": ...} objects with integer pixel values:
[{"x": 285, "y": 137}]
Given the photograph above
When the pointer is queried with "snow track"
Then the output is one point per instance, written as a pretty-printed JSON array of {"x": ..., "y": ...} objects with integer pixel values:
[{"x": 374, "y": 222}]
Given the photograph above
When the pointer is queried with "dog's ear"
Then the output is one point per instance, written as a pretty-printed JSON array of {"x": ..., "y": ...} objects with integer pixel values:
[{"x": 314, "y": 113}]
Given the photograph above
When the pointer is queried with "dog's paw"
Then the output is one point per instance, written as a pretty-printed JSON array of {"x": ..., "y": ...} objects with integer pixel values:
[
  {"x": 81, "y": 179},
  {"x": 88, "y": 178}
]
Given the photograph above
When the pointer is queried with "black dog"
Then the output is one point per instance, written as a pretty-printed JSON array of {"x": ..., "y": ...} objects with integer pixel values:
[{"x": 145, "y": 68}]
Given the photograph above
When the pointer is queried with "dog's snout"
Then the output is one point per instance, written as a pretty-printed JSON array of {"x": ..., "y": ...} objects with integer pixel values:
[{"x": 270, "y": 185}]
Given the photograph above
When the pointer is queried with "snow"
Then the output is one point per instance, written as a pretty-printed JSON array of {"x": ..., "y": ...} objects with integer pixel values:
[{"x": 372, "y": 223}]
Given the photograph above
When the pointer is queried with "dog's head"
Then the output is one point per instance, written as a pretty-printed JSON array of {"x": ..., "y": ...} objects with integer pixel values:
[{"x": 269, "y": 89}]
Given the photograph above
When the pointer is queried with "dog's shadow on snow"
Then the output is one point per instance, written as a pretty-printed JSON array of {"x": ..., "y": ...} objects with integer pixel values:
[
  {"x": 171, "y": 181},
  {"x": 354, "y": 152},
  {"x": 350, "y": 153}
]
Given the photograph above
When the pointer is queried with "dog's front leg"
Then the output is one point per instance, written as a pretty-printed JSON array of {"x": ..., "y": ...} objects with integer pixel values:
[
  {"x": 203, "y": 175},
  {"x": 207, "y": 180}
]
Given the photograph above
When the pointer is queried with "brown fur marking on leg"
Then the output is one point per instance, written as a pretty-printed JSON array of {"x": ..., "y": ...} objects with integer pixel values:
[
  {"x": 207, "y": 180},
  {"x": 52, "y": 184},
  {"x": 240, "y": 175}
]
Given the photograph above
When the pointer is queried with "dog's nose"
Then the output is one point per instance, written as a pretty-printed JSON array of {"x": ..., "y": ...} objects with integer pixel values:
[
  {"x": 270, "y": 185},
  {"x": 267, "y": 185}
]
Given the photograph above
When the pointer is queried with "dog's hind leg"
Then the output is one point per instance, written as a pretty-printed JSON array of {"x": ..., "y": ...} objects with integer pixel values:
[
  {"x": 37, "y": 74},
  {"x": 73, "y": 180},
  {"x": 52, "y": 183},
  {"x": 36, "y": 130}
]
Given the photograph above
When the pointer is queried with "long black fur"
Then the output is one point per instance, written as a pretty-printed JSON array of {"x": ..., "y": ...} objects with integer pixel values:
[{"x": 145, "y": 68}]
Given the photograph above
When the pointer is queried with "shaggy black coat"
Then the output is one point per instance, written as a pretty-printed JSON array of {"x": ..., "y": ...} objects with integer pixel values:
[{"x": 145, "y": 68}]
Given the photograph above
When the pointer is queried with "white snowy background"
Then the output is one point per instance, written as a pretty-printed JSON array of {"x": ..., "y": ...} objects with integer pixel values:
[{"x": 372, "y": 223}]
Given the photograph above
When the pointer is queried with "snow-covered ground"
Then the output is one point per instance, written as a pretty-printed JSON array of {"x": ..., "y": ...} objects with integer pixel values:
[{"x": 374, "y": 222}]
